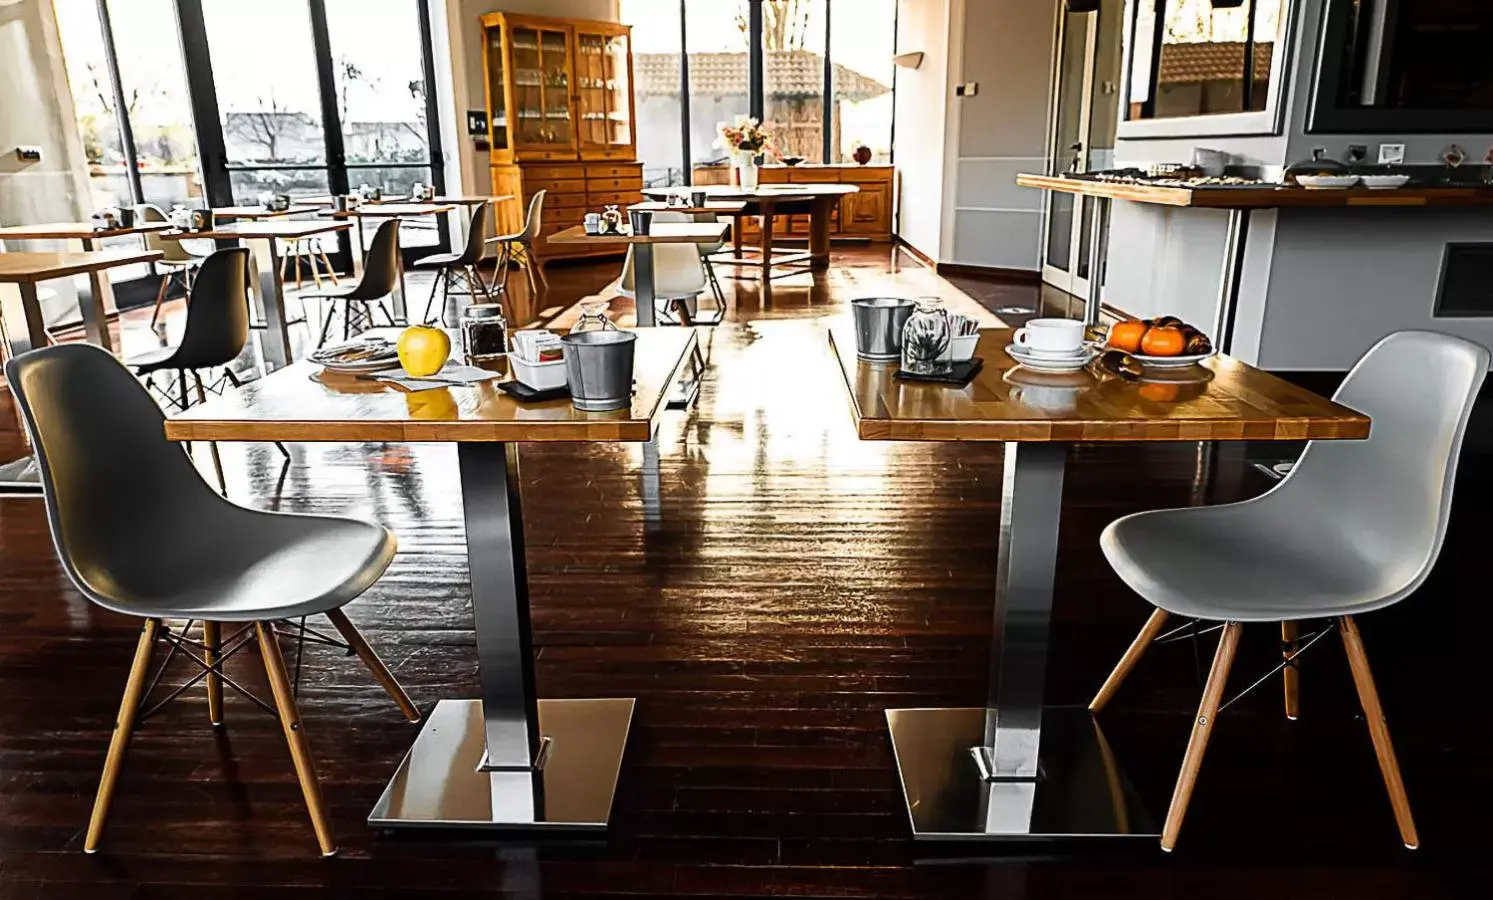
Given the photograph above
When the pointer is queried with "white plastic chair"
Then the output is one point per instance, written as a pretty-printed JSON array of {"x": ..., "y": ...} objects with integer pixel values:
[
  {"x": 1355, "y": 527},
  {"x": 679, "y": 276},
  {"x": 177, "y": 260}
]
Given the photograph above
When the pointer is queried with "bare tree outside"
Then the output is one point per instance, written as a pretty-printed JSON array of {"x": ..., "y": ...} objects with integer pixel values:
[
  {"x": 785, "y": 23},
  {"x": 265, "y": 126}
]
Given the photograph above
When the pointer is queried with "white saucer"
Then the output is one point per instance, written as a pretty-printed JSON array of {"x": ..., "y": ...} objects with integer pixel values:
[
  {"x": 1173, "y": 362},
  {"x": 1079, "y": 352},
  {"x": 1048, "y": 364}
]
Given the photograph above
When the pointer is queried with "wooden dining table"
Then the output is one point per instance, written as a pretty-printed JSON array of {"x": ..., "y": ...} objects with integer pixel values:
[
  {"x": 25, "y": 328},
  {"x": 505, "y": 760},
  {"x": 230, "y": 213},
  {"x": 1017, "y": 769},
  {"x": 95, "y": 292},
  {"x": 262, "y": 237}
]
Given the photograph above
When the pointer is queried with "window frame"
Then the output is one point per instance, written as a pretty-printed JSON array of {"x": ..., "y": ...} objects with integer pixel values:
[{"x": 1269, "y": 121}]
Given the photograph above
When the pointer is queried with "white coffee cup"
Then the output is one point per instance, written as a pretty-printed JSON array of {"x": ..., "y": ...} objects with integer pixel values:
[{"x": 1051, "y": 335}]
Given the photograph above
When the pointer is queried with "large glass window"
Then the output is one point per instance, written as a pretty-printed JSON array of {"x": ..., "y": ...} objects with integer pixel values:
[
  {"x": 1199, "y": 58},
  {"x": 660, "y": 90},
  {"x": 793, "y": 45},
  {"x": 719, "y": 63},
  {"x": 862, "y": 36},
  {"x": 155, "y": 86},
  {"x": 94, "y": 102}
]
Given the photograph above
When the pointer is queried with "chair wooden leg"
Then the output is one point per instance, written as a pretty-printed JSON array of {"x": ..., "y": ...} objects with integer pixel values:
[
  {"x": 1373, "y": 713},
  {"x": 212, "y": 642},
  {"x": 331, "y": 272},
  {"x": 329, "y": 310},
  {"x": 529, "y": 271},
  {"x": 538, "y": 265},
  {"x": 381, "y": 673},
  {"x": 295, "y": 256},
  {"x": 1127, "y": 662},
  {"x": 160, "y": 298},
  {"x": 124, "y": 726},
  {"x": 1290, "y": 674},
  {"x": 212, "y": 446},
  {"x": 1202, "y": 727},
  {"x": 290, "y": 721}
]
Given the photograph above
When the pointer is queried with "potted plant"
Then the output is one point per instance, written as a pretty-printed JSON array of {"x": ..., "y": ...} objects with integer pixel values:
[{"x": 745, "y": 139}]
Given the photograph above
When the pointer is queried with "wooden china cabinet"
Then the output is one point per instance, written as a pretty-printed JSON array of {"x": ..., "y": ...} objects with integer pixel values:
[{"x": 560, "y": 119}]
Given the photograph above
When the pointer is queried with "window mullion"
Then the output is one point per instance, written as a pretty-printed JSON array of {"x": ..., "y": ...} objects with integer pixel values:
[
  {"x": 827, "y": 114},
  {"x": 121, "y": 111},
  {"x": 755, "y": 60},
  {"x": 686, "y": 160}
]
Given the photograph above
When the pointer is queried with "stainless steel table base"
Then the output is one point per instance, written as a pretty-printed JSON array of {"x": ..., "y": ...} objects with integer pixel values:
[
  {"x": 1080, "y": 792},
  {"x": 1008, "y": 770},
  {"x": 506, "y": 760},
  {"x": 441, "y": 782}
]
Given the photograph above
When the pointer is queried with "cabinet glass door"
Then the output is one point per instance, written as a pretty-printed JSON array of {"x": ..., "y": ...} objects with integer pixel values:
[
  {"x": 602, "y": 83},
  {"x": 497, "y": 99},
  {"x": 541, "y": 88}
]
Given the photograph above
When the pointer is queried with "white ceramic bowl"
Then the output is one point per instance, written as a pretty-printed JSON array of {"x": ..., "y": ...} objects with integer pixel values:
[
  {"x": 1385, "y": 182},
  {"x": 1326, "y": 182}
]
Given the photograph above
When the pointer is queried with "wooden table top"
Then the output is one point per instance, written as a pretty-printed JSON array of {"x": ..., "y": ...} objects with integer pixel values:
[
  {"x": 326, "y": 199},
  {"x": 265, "y": 228},
  {"x": 720, "y": 207},
  {"x": 1263, "y": 196},
  {"x": 259, "y": 212},
  {"x": 1221, "y": 400},
  {"x": 763, "y": 191},
  {"x": 301, "y": 402},
  {"x": 660, "y": 233},
  {"x": 61, "y": 231},
  {"x": 389, "y": 210},
  {"x": 29, "y": 268},
  {"x": 471, "y": 199}
]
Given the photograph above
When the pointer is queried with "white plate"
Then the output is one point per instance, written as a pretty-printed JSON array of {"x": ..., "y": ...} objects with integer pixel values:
[
  {"x": 1055, "y": 366},
  {"x": 362, "y": 366},
  {"x": 1053, "y": 355},
  {"x": 1172, "y": 362},
  {"x": 1326, "y": 182},
  {"x": 1385, "y": 182}
]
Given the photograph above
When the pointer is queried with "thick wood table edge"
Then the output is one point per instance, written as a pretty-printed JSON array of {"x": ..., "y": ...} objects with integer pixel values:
[
  {"x": 618, "y": 430},
  {"x": 67, "y": 263},
  {"x": 1350, "y": 425}
]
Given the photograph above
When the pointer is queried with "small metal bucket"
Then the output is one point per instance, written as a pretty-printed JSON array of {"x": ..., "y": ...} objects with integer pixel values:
[
  {"x": 641, "y": 220},
  {"x": 878, "y": 327},
  {"x": 598, "y": 365}
]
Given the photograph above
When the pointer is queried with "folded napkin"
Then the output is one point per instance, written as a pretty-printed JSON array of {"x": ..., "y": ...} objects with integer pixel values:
[{"x": 453, "y": 375}]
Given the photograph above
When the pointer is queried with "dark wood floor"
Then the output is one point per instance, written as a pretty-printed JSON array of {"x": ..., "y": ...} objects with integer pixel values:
[{"x": 800, "y": 582}]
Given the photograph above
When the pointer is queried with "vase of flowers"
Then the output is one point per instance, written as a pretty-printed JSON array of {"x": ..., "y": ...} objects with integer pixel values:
[{"x": 746, "y": 139}]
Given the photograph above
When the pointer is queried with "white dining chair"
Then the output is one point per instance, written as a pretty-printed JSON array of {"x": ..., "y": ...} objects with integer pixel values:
[
  {"x": 178, "y": 261},
  {"x": 679, "y": 276},
  {"x": 1355, "y": 527}
]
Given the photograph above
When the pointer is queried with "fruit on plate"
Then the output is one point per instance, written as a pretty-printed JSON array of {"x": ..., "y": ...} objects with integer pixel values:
[
  {"x": 1127, "y": 335},
  {"x": 423, "y": 350},
  {"x": 1162, "y": 336},
  {"x": 1163, "y": 341}
]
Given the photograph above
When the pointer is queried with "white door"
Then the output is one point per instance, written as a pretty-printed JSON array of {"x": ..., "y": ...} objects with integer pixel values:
[{"x": 1086, "y": 105}]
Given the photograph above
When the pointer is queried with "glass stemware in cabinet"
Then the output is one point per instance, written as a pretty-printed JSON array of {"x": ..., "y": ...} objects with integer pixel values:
[{"x": 926, "y": 338}]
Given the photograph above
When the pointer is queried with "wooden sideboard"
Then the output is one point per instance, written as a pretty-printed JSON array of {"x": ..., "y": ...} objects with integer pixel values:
[{"x": 866, "y": 214}]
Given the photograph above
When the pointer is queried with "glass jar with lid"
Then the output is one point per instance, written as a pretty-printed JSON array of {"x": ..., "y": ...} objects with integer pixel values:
[
  {"x": 593, "y": 317},
  {"x": 484, "y": 333}
]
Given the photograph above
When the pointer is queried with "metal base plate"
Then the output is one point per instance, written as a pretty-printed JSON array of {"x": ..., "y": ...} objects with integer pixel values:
[
  {"x": 439, "y": 785},
  {"x": 1082, "y": 793}
]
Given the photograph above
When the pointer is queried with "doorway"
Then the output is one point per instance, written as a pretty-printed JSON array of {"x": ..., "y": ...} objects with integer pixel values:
[{"x": 1086, "y": 102}]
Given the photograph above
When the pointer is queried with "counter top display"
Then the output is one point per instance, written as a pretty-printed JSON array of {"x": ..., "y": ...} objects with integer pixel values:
[{"x": 1262, "y": 195}]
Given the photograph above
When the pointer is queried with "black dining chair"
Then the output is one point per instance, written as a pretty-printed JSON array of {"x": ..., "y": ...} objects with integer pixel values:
[
  {"x": 216, "y": 331},
  {"x": 224, "y": 565},
  {"x": 449, "y": 267},
  {"x": 380, "y": 277}
]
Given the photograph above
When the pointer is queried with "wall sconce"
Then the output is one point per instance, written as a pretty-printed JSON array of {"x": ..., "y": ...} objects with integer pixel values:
[{"x": 908, "y": 60}]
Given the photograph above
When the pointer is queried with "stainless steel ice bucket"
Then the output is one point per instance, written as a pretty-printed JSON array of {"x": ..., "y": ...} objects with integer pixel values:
[
  {"x": 598, "y": 365},
  {"x": 878, "y": 327}
]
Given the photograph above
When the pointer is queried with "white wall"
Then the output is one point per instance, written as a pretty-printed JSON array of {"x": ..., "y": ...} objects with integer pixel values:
[
  {"x": 921, "y": 122},
  {"x": 36, "y": 109}
]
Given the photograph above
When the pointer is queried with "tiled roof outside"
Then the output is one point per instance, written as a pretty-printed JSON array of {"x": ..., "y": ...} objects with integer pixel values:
[
  {"x": 789, "y": 73},
  {"x": 1194, "y": 63}
]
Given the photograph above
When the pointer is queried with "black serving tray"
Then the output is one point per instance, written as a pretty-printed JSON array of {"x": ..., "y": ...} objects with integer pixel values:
[
  {"x": 525, "y": 394},
  {"x": 959, "y": 376}
]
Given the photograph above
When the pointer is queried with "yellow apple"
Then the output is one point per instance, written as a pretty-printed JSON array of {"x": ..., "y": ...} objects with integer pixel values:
[{"x": 423, "y": 350}]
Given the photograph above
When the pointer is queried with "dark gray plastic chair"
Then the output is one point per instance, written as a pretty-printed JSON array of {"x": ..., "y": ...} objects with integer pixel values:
[
  {"x": 109, "y": 513},
  {"x": 380, "y": 277},
  {"x": 451, "y": 266},
  {"x": 216, "y": 331},
  {"x": 1355, "y": 527}
]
